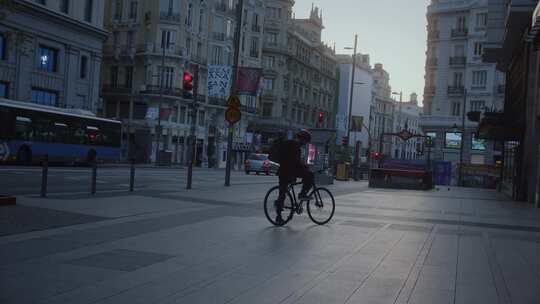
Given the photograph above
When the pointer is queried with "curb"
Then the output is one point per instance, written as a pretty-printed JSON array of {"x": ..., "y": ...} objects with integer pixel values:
[{"x": 7, "y": 200}]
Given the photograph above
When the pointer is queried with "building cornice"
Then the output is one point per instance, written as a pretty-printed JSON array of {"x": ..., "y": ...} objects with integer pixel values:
[{"x": 39, "y": 11}]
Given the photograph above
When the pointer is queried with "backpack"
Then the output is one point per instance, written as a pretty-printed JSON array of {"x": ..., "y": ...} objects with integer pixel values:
[{"x": 275, "y": 154}]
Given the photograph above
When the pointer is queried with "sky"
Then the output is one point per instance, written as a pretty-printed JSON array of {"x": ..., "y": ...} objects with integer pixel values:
[{"x": 392, "y": 32}]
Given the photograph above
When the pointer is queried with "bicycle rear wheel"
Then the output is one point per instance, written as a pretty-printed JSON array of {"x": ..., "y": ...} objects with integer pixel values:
[
  {"x": 270, "y": 208},
  {"x": 321, "y": 208}
]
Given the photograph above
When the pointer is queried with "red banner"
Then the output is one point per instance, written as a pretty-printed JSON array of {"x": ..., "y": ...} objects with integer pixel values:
[{"x": 247, "y": 81}]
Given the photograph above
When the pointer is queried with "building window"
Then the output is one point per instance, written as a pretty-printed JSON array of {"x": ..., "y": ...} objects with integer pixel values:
[
  {"x": 4, "y": 89},
  {"x": 254, "y": 49},
  {"x": 271, "y": 38},
  {"x": 477, "y": 105},
  {"x": 478, "y": 48},
  {"x": 3, "y": 47},
  {"x": 201, "y": 121},
  {"x": 114, "y": 76},
  {"x": 201, "y": 20},
  {"x": 48, "y": 59},
  {"x": 456, "y": 109},
  {"x": 217, "y": 55},
  {"x": 118, "y": 7},
  {"x": 458, "y": 79},
  {"x": 461, "y": 23},
  {"x": 481, "y": 20},
  {"x": 188, "y": 46},
  {"x": 452, "y": 140},
  {"x": 88, "y": 10},
  {"x": 168, "y": 76},
  {"x": 167, "y": 38},
  {"x": 273, "y": 12},
  {"x": 44, "y": 97},
  {"x": 269, "y": 61},
  {"x": 267, "y": 110},
  {"x": 268, "y": 84},
  {"x": 133, "y": 9},
  {"x": 129, "y": 77},
  {"x": 479, "y": 78},
  {"x": 189, "y": 16},
  {"x": 64, "y": 6},
  {"x": 83, "y": 67},
  {"x": 478, "y": 144}
]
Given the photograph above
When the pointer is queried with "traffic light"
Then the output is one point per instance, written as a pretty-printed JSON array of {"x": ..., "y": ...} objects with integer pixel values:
[
  {"x": 345, "y": 141},
  {"x": 187, "y": 85},
  {"x": 321, "y": 117},
  {"x": 376, "y": 155}
]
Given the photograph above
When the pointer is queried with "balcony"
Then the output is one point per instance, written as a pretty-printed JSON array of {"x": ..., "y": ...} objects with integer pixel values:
[
  {"x": 432, "y": 61},
  {"x": 170, "y": 17},
  {"x": 115, "y": 89},
  {"x": 256, "y": 28},
  {"x": 430, "y": 90},
  {"x": 456, "y": 90},
  {"x": 156, "y": 90},
  {"x": 157, "y": 50},
  {"x": 118, "y": 51},
  {"x": 478, "y": 87},
  {"x": 460, "y": 33},
  {"x": 459, "y": 60},
  {"x": 219, "y": 36},
  {"x": 433, "y": 35}
]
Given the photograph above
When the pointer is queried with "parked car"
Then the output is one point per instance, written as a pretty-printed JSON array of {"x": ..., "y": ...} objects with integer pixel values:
[{"x": 258, "y": 163}]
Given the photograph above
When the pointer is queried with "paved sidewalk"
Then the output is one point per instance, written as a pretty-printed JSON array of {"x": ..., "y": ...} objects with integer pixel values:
[{"x": 215, "y": 246}]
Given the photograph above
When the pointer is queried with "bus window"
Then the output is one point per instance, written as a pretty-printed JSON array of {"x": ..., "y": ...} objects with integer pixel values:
[
  {"x": 61, "y": 133},
  {"x": 23, "y": 128}
]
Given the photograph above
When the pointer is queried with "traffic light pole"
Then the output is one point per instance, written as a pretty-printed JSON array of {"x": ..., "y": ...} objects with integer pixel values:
[
  {"x": 193, "y": 135},
  {"x": 237, "y": 38},
  {"x": 162, "y": 75}
]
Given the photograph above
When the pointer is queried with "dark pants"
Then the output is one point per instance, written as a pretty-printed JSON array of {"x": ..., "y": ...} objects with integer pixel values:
[{"x": 286, "y": 178}]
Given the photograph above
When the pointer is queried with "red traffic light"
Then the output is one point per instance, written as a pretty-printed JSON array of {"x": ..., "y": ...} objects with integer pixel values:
[
  {"x": 321, "y": 117},
  {"x": 376, "y": 155},
  {"x": 187, "y": 81},
  {"x": 345, "y": 141}
]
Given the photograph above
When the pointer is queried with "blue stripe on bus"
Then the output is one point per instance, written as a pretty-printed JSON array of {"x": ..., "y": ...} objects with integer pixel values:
[{"x": 63, "y": 150}]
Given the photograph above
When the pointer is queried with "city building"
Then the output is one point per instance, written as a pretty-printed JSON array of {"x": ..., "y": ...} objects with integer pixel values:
[
  {"x": 457, "y": 81},
  {"x": 513, "y": 44},
  {"x": 50, "y": 53},
  {"x": 362, "y": 99},
  {"x": 382, "y": 120},
  {"x": 152, "y": 44},
  {"x": 300, "y": 74},
  {"x": 407, "y": 116}
]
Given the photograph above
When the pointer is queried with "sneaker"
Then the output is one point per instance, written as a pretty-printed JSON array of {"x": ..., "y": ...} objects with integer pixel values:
[{"x": 279, "y": 220}]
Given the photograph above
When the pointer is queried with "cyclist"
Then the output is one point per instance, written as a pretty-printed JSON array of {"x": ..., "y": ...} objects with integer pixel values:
[{"x": 292, "y": 167}]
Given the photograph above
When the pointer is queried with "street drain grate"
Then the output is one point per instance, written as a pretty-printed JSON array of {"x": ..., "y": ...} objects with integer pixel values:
[
  {"x": 121, "y": 259},
  {"x": 362, "y": 224},
  {"x": 402, "y": 227},
  {"x": 447, "y": 231}
]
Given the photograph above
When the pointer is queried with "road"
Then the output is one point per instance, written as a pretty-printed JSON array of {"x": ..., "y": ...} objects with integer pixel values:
[{"x": 27, "y": 180}]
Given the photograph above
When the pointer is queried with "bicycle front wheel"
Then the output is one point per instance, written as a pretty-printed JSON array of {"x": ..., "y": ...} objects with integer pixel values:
[
  {"x": 321, "y": 208},
  {"x": 271, "y": 210}
]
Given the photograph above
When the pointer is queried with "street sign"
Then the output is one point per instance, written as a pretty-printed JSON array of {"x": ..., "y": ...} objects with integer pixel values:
[
  {"x": 234, "y": 102},
  {"x": 405, "y": 135},
  {"x": 233, "y": 115}
]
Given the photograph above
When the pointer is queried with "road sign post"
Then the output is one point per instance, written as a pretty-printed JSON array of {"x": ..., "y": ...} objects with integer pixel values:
[{"x": 232, "y": 116}]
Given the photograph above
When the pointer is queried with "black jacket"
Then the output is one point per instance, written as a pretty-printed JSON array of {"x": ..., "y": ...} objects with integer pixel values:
[{"x": 291, "y": 160}]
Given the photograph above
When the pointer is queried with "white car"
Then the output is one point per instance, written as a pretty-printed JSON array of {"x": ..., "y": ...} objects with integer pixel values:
[{"x": 259, "y": 163}]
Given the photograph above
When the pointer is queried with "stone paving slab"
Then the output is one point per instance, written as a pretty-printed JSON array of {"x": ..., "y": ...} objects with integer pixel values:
[{"x": 382, "y": 247}]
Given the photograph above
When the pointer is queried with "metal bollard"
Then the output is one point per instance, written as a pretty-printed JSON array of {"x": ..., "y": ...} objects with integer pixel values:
[
  {"x": 44, "y": 176},
  {"x": 94, "y": 178},
  {"x": 132, "y": 176}
]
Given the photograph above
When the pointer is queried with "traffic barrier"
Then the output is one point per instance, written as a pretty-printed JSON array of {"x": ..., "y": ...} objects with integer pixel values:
[
  {"x": 44, "y": 175},
  {"x": 94, "y": 178},
  {"x": 132, "y": 176}
]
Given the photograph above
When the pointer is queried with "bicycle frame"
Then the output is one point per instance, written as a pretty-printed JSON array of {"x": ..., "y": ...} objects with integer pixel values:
[{"x": 295, "y": 200}]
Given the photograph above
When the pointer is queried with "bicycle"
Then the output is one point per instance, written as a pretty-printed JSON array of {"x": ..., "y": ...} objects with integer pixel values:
[{"x": 320, "y": 198}]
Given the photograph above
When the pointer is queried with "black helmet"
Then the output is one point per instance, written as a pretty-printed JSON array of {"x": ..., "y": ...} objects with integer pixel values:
[{"x": 304, "y": 134}]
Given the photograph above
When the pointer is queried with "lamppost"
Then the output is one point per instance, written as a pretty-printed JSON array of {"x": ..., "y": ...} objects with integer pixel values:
[
  {"x": 462, "y": 145},
  {"x": 165, "y": 44},
  {"x": 353, "y": 72},
  {"x": 399, "y": 119}
]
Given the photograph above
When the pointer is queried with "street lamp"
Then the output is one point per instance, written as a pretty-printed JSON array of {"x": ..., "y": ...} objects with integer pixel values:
[
  {"x": 399, "y": 117},
  {"x": 353, "y": 72}
]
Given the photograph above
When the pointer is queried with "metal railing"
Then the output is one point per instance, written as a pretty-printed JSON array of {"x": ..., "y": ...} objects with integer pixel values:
[
  {"x": 458, "y": 60},
  {"x": 459, "y": 33},
  {"x": 169, "y": 16},
  {"x": 456, "y": 90}
]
